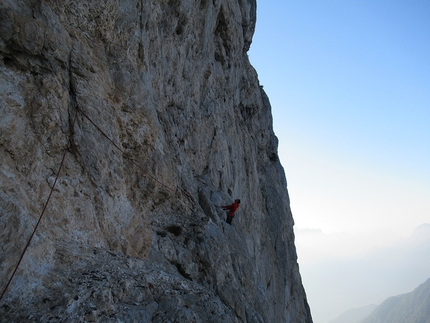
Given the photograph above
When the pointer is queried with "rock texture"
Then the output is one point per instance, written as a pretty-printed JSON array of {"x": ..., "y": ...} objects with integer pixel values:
[{"x": 160, "y": 118}]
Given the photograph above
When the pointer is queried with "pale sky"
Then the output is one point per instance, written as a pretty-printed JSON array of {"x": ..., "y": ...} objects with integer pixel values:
[{"x": 349, "y": 85}]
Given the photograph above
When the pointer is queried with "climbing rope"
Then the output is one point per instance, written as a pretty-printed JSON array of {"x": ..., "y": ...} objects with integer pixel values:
[
  {"x": 69, "y": 143},
  {"x": 44, "y": 208},
  {"x": 129, "y": 157}
]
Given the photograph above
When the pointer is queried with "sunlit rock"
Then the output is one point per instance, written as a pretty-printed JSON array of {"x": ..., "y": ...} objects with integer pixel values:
[{"x": 161, "y": 119}]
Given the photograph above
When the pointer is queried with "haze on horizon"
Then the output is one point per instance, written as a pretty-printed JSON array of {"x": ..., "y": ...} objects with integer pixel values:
[{"x": 349, "y": 85}]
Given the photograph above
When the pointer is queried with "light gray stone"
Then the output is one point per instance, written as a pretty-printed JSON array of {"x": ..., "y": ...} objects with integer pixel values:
[{"x": 162, "y": 119}]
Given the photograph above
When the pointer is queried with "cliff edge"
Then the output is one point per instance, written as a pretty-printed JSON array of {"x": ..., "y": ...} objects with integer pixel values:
[{"x": 124, "y": 124}]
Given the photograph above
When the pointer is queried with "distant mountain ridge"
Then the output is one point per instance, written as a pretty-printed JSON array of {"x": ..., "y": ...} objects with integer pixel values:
[
  {"x": 413, "y": 307},
  {"x": 355, "y": 315},
  {"x": 391, "y": 267}
]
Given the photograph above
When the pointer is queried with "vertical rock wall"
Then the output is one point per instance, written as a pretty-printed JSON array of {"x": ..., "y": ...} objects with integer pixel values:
[{"x": 160, "y": 118}]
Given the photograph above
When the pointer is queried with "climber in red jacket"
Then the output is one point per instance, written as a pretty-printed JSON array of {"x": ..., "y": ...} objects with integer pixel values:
[{"x": 231, "y": 209}]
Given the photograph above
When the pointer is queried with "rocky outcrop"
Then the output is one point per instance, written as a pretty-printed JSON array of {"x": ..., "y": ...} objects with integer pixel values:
[{"x": 131, "y": 121}]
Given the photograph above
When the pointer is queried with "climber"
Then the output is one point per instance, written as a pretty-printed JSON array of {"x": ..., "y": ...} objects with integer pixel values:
[{"x": 231, "y": 209}]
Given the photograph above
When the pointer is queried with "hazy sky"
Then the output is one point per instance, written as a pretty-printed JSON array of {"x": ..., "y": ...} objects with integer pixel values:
[{"x": 349, "y": 84}]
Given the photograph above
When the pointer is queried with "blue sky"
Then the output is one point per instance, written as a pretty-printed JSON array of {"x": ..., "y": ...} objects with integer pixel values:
[{"x": 349, "y": 84}]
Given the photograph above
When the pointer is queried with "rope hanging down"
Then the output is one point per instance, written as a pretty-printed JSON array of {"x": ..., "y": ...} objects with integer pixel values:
[
  {"x": 69, "y": 142},
  {"x": 44, "y": 208}
]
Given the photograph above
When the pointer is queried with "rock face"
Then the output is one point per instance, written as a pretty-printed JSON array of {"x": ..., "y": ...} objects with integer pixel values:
[{"x": 159, "y": 117}]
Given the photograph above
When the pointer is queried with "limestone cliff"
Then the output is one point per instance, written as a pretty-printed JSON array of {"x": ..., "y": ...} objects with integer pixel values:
[{"x": 131, "y": 121}]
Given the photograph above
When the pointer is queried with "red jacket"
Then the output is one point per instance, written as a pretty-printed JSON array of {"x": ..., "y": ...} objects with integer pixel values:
[{"x": 231, "y": 208}]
